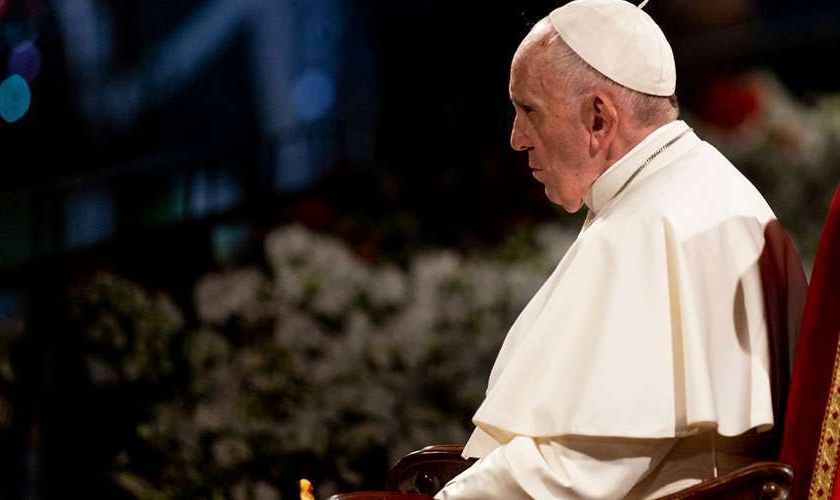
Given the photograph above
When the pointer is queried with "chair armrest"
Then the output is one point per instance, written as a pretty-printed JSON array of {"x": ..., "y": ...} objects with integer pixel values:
[
  {"x": 426, "y": 471},
  {"x": 761, "y": 480}
]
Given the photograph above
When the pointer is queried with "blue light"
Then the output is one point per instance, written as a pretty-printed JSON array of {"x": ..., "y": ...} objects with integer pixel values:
[
  {"x": 313, "y": 94},
  {"x": 89, "y": 218},
  {"x": 230, "y": 240},
  {"x": 199, "y": 194},
  {"x": 293, "y": 167},
  {"x": 15, "y": 98},
  {"x": 25, "y": 60},
  {"x": 213, "y": 192},
  {"x": 228, "y": 192}
]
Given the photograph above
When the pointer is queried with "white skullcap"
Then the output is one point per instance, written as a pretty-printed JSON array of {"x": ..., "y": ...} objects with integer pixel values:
[{"x": 619, "y": 40}]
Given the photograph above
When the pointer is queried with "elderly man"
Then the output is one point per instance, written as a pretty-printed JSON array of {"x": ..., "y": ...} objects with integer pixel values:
[{"x": 644, "y": 364}]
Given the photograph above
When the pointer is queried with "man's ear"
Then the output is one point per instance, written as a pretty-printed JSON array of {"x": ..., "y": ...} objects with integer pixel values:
[{"x": 601, "y": 120}]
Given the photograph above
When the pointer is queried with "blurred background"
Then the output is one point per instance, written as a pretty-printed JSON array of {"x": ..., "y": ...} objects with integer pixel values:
[{"x": 244, "y": 242}]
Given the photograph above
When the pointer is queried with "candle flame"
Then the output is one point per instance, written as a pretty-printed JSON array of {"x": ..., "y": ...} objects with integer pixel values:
[{"x": 306, "y": 491}]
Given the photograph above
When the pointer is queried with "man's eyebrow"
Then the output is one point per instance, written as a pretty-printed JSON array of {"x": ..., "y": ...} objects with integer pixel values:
[{"x": 519, "y": 104}]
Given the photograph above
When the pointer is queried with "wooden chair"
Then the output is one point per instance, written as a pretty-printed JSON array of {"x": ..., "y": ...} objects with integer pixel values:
[
  {"x": 811, "y": 418},
  {"x": 424, "y": 472}
]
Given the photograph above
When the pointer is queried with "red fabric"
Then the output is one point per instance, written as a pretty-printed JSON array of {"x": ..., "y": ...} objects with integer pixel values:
[
  {"x": 784, "y": 286},
  {"x": 815, "y": 353}
]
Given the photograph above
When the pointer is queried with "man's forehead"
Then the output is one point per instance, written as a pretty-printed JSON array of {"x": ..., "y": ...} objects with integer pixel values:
[
  {"x": 537, "y": 39},
  {"x": 526, "y": 87},
  {"x": 531, "y": 61},
  {"x": 533, "y": 56}
]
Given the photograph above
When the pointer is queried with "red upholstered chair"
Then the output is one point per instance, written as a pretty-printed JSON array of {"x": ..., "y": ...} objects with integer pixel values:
[
  {"x": 812, "y": 428},
  {"x": 811, "y": 437}
]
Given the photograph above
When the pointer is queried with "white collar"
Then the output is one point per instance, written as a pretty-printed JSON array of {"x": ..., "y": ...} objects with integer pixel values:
[{"x": 607, "y": 185}]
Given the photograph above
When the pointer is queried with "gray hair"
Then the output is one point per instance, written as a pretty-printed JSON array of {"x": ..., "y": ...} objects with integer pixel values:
[{"x": 578, "y": 76}]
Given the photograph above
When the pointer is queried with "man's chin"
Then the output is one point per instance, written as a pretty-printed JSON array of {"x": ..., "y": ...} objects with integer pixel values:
[
  {"x": 571, "y": 207},
  {"x": 572, "y": 210}
]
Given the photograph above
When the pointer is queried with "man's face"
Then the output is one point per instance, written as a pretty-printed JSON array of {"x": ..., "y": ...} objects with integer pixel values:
[{"x": 548, "y": 125}]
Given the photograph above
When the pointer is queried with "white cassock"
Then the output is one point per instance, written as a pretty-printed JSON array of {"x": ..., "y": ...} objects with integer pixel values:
[{"x": 642, "y": 365}]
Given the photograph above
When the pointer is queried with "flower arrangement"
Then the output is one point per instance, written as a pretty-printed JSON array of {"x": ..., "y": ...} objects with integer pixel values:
[
  {"x": 318, "y": 364},
  {"x": 129, "y": 334}
]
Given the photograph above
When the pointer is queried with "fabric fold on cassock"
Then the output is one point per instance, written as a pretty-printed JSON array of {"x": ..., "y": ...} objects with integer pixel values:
[{"x": 653, "y": 323}]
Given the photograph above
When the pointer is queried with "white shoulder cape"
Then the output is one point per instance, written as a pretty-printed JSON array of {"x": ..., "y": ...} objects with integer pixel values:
[{"x": 653, "y": 323}]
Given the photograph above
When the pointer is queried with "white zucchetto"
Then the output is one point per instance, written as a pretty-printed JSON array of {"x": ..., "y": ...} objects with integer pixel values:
[{"x": 621, "y": 41}]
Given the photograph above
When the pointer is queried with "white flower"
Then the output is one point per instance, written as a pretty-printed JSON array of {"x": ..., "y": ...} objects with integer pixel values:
[
  {"x": 486, "y": 284},
  {"x": 344, "y": 354},
  {"x": 264, "y": 491},
  {"x": 231, "y": 451},
  {"x": 341, "y": 277},
  {"x": 172, "y": 316},
  {"x": 553, "y": 241},
  {"x": 240, "y": 491},
  {"x": 408, "y": 335},
  {"x": 206, "y": 349},
  {"x": 333, "y": 298},
  {"x": 430, "y": 271},
  {"x": 377, "y": 401},
  {"x": 307, "y": 430},
  {"x": 357, "y": 330},
  {"x": 218, "y": 409},
  {"x": 221, "y": 296},
  {"x": 291, "y": 283},
  {"x": 288, "y": 244},
  {"x": 208, "y": 418},
  {"x": 296, "y": 331},
  {"x": 317, "y": 268},
  {"x": 335, "y": 361},
  {"x": 522, "y": 282},
  {"x": 250, "y": 359},
  {"x": 388, "y": 287},
  {"x": 455, "y": 308}
]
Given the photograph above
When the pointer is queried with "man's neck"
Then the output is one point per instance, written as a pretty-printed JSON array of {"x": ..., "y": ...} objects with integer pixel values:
[{"x": 626, "y": 139}]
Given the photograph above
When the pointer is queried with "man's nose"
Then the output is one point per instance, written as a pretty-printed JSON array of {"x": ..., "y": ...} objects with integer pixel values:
[{"x": 518, "y": 140}]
